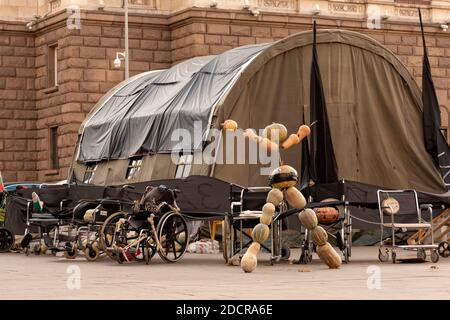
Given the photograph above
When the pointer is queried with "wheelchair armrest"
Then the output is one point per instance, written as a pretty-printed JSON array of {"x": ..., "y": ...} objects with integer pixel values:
[
  {"x": 63, "y": 201},
  {"x": 109, "y": 201},
  {"x": 29, "y": 204}
]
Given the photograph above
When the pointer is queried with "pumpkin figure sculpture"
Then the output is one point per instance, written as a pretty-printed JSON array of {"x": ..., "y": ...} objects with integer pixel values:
[{"x": 283, "y": 181}]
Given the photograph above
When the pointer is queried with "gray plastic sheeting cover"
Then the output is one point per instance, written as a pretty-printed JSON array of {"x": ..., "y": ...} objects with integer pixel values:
[{"x": 141, "y": 116}]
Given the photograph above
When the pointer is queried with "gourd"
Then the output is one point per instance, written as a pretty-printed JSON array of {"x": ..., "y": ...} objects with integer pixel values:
[
  {"x": 275, "y": 132},
  {"x": 254, "y": 248},
  {"x": 283, "y": 177},
  {"x": 303, "y": 131},
  {"x": 308, "y": 219},
  {"x": 319, "y": 236},
  {"x": 260, "y": 233},
  {"x": 328, "y": 255},
  {"x": 181, "y": 237},
  {"x": 327, "y": 214},
  {"x": 275, "y": 196},
  {"x": 89, "y": 215},
  {"x": 249, "y": 262},
  {"x": 291, "y": 141},
  {"x": 230, "y": 125},
  {"x": 295, "y": 198},
  {"x": 267, "y": 213}
]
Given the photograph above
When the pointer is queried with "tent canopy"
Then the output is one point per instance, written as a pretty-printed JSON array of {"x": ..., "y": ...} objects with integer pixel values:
[
  {"x": 373, "y": 104},
  {"x": 141, "y": 116}
]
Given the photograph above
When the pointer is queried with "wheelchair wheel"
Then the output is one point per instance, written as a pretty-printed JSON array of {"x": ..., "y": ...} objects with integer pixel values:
[
  {"x": 394, "y": 257},
  {"x": 434, "y": 256},
  {"x": 71, "y": 251},
  {"x": 37, "y": 249},
  {"x": 421, "y": 254},
  {"x": 444, "y": 249},
  {"x": 346, "y": 254},
  {"x": 305, "y": 257},
  {"x": 6, "y": 240},
  {"x": 169, "y": 227},
  {"x": 108, "y": 232},
  {"x": 285, "y": 252},
  {"x": 91, "y": 253}
]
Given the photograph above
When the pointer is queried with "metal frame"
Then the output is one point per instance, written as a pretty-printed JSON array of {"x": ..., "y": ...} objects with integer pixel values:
[
  {"x": 43, "y": 220},
  {"x": 421, "y": 224},
  {"x": 344, "y": 230},
  {"x": 242, "y": 215}
]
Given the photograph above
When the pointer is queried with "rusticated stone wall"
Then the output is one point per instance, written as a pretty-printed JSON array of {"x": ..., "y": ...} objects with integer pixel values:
[{"x": 28, "y": 107}]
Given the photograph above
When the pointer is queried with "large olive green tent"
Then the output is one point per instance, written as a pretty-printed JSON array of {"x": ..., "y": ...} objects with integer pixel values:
[{"x": 373, "y": 103}]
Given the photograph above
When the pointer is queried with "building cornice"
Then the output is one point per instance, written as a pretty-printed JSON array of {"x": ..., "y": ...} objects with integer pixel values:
[{"x": 206, "y": 15}]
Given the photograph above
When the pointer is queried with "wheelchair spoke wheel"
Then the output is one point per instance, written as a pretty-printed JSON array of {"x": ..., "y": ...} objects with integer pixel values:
[
  {"x": 6, "y": 240},
  {"x": 434, "y": 256},
  {"x": 70, "y": 251},
  {"x": 421, "y": 254},
  {"x": 169, "y": 229},
  {"x": 91, "y": 253},
  {"x": 444, "y": 249},
  {"x": 108, "y": 234}
]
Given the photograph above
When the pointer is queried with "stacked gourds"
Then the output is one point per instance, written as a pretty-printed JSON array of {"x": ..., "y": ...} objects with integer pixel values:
[
  {"x": 319, "y": 236},
  {"x": 283, "y": 181}
]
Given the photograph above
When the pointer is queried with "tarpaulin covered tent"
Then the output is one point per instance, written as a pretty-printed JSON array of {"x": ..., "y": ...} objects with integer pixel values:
[{"x": 374, "y": 108}]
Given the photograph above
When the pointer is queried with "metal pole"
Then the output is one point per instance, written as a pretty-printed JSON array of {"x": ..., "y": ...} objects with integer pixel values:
[{"x": 127, "y": 66}]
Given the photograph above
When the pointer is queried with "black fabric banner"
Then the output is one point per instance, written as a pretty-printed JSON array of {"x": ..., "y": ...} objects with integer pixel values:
[
  {"x": 431, "y": 113},
  {"x": 323, "y": 160},
  {"x": 435, "y": 143}
]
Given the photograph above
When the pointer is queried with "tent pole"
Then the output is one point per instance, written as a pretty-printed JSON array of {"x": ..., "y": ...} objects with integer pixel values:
[{"x": 219, "y": 142}]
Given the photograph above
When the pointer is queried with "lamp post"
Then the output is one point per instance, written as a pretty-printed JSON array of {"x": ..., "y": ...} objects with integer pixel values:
[{"x": 127, "y": 65}]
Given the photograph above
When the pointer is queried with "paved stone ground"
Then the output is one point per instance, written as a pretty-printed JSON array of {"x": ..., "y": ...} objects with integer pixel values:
[{"x": 207, "y": 277}]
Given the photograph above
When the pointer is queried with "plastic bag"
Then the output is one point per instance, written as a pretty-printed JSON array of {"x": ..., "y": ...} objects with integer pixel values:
[{"x": 204, "y": 246}]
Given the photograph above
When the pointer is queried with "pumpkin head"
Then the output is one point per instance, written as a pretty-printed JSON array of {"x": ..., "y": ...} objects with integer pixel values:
[
  {"x": 283, "y": 177},
  {"x": 275, "y": 132}
]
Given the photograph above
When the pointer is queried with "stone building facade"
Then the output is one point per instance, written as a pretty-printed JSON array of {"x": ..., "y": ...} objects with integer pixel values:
[{"x": 56, "y": 57}]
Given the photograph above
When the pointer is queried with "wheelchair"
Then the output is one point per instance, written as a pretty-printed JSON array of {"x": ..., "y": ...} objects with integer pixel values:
[
  {"x": 6, "y": 240},
  {"x": 245, "y": 212},
  {"x": 338, "y": 225},
  {"x": 399, "y": 212},
  {"x": 6, "y": 236},
  {"x": 153, "y": 225},
  {"x": 89, "y": 216},
  {"x": 54, "y": 224}
]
